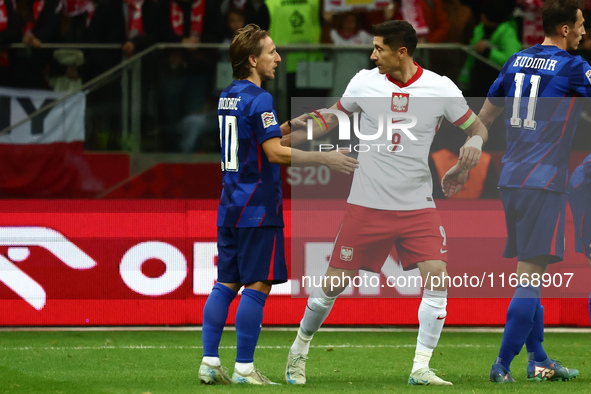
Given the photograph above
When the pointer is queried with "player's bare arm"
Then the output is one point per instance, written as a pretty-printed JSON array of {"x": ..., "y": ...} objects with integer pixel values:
[
  {"x": 295, "y": 132},
  {"x": 453, "y": 180},
  {"x": 472, "y": 149},
  {"x": 456, "y": 176},
  {"x": 335, "y": 160},
  {"x": 488, "y": 113},
  {"x": 470, "y": 153}
]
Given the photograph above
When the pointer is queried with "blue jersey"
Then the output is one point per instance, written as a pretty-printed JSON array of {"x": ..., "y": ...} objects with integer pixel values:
[
  {"x": 579, "y": 198},
  {"x": 581, "y": 176},
  {"x": 252, "y": 194},
  {"x": 537, "y": 87}
]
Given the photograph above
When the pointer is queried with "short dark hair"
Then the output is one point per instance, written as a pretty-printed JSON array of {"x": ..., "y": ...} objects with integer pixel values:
[
  {"x": 397, "y": 34},
  {"x": 246, "y": 42},
  {"x": 558, "y": 13}
]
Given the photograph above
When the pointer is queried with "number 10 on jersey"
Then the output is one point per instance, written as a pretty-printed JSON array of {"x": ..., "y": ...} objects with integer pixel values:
[{"x": 229, "y": 142}]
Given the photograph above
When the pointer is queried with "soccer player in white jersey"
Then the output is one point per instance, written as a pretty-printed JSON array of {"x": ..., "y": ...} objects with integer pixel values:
[{"x": 390, "y": 201}]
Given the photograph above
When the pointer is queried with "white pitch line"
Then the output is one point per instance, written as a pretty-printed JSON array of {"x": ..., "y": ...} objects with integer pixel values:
[{"x": 151, "y": 347}]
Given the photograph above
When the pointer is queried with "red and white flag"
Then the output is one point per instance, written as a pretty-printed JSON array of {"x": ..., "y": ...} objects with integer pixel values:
[{"x": 42, "y": 157}]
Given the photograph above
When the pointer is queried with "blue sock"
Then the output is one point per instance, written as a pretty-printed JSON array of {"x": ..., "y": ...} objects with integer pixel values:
[
  {"x": 249, "y": 317},
  {"x": 215, "y": 313},
  {"x": 536, "y": 336},
  {"x": 520, "y": 320}
]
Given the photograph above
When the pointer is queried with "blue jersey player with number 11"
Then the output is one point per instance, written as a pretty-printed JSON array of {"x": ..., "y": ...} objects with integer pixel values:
[
  {"x": 579, "y": 199},
  {"x": 537, "y": 88},
  {"x": 250, "y": 214}
]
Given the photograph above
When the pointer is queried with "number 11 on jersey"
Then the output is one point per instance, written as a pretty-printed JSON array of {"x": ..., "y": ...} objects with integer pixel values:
[
  {"x": 529, "y": 123},
  {"x": 229, "y": 142}
]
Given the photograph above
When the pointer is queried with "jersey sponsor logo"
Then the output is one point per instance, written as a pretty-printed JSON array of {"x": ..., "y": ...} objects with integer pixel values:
[
  {"x": 268, "y": 119},
  {"x": 543, "y": 372},
  {"x": 440, "y": 317},
  {"x": 588, "y": 75},
  {"x": 400, "y": 102},
  {"x": 443, "y": 250},
  {"x": 346, "y": 253}
]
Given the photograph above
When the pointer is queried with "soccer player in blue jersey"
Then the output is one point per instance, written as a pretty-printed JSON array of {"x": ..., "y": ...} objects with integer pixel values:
[
  {"x": 250, "y": 214},
  {"x": 579, "y": 199},
  {"x": 537, "y": 86}
]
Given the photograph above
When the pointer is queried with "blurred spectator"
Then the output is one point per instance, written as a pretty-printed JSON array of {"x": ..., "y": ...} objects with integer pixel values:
[
  {"x": 133, "y": 25},
  {"x": 66, "y": 73},
  {"x": 532, "y": 31},
  {"x": 348, "y": 31},
  {"x": 496, "y": 39},
  {"x": 77, "y": 15},
  {"x": 461, "y": 21},
  {"x": 297, "y": 22},
  {"x": 436, "y": 19},
  {"x": 185, "y": 81},
  {"x": 438, "y": 24},
  {"x": 449, "y": 62},
  {"x": 10, "y": 33},
  {"x": 412, "y": 12},
  {"x": 255, "y": 11},
  {"x": 69, "y": 79},
  {"x": 40, "y": 21},
  {"x": 235, "y": 19}
]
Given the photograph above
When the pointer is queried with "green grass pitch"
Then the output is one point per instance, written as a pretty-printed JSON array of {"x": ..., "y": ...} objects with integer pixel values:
[{"x": 167, "y": 362}]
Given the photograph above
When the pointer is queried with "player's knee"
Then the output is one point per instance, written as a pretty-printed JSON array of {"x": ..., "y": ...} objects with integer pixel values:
[
  {"x": 434, "y": 273},
  {"x": 336, "y": 281},
  {"x": 262, "y": 286}
]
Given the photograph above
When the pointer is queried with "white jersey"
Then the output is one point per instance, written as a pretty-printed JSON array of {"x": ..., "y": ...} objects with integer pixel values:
[{"x": 393, "y": 171}]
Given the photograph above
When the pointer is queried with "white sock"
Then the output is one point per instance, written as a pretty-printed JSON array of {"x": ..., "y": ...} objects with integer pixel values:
[
  {"x": 317, "y": 309},
  {"x": 421, "y": 360},
  {"x": 432, "y": 315},
  {"x": 301, "y": 345},
  {"x": 244, "y": 368},
  {"x": 212, "y": 361}
]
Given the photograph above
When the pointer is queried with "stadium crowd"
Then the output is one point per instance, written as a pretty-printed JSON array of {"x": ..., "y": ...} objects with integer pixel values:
[
  {"x": 493, "y": 28},
  {"x": 179, "y": 86}
]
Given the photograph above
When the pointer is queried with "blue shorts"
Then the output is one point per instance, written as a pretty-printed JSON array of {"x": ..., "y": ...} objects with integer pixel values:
[
  {"x": 251, "y": 254},
  {"x": 535, "y": 223},
  {"x": 579, "y": 200}
]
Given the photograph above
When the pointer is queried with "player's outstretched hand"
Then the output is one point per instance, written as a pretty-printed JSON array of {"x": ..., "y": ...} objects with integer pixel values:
[
  {"x": 453, "y": 180},
  {"x": 469, "y": 157},
  {"x": 470, "y": 152},
  {"x": 300, "y": 123},
  {"x": 337, "y": 161}
]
